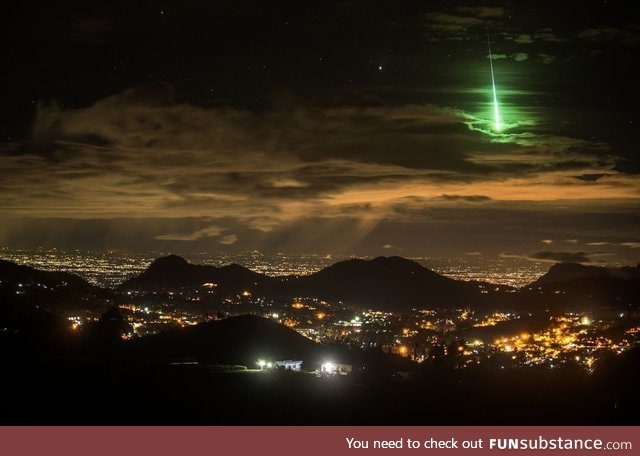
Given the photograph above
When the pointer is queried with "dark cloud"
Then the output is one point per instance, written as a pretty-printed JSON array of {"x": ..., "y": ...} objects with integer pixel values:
[
  {"x": 554, "y": 257},
  {"x": 481, "y": 11},
  {"x": 629, "y": 36},
  {"x": 546, "y": 58},
  {"x": 590, "y": 177},
  {"x": 467, "y": 198},
  {"x": 548, "y": 35},
  {"x": 461, "y": 23}
]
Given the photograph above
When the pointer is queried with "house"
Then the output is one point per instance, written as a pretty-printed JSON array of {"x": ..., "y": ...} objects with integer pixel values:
[{"x": 289, "y": 364}]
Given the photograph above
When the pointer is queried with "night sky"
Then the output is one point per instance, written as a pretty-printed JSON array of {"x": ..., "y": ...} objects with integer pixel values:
[{"x": 348, "y": 127}]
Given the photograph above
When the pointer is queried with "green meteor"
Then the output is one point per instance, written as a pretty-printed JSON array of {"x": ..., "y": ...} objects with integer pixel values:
[{"x": 496, "y": 108}]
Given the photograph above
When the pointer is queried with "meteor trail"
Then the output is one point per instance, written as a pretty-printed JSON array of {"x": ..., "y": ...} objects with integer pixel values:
[{"x": 496, "y": 109}]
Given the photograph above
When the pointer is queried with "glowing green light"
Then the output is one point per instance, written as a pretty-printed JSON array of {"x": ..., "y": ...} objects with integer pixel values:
[{"x": 496, "y": 109}]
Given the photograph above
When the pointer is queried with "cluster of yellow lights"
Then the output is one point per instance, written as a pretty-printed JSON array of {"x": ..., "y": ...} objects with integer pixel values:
[
  {"x": 131, "y": 307},
  {"x": 567, "y": 335},
  {"x": 291, "y": 323},
  {"x": 493, "y": 320}
]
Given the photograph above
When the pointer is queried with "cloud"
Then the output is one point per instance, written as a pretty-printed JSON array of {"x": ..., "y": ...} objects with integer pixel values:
[
  {"x": 629, "y": 36},
  {"x": 547, "y": 241},
  {"x": 481, "y": 11},
  {"x": 548, "y": 35},
  {"x": 246, "y": 175},
  {"x": 212, "y": 231},
  {"x": 467, "y": 198},
  {"x": 553, "y": 257},
  {"x": 228, "y": 239},
  {"x": 460, "y": 23},
  {"x": 546, "y": 58},
  {"x": 630, "y": 244},
  {"x": 421, "y": 226},
  {"x": 590, "y": 177},
  {"x": 524, "y": 38},
  {"x": 452, "y": 19},
  {"x": 520, "y": 56}
]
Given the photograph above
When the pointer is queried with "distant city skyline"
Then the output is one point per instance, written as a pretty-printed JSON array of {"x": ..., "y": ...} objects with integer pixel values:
[{"x": 111, "y": 268}]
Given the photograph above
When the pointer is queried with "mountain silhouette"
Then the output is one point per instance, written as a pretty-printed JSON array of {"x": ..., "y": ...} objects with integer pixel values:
[
  {"x": 386, "y": 283},
  {"x": 566, "y": 272},
  {"x": 389, "y": 283},
  {"x": 14, "y": 274},
  {"x": 585, "y": 286},
  {"x": 55, "y": 291},
  {"x": 173, "y": 272},
  {"x": 242, "y": 339}
]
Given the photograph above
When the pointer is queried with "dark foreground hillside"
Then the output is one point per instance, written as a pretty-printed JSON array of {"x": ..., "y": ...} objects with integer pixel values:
[
  {"x": 57, "y": 373},
  {"x": 47, "y": 391}
]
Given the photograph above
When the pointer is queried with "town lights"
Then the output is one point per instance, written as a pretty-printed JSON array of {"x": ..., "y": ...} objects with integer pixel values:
[{"x": 261, "y": 363}]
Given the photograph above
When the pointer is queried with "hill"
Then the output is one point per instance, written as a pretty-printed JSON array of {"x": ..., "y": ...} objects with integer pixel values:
[
  {"x": 13, "y": 273},
  {"x": 384, "y": 283},
  {"x": 389, "y": 283},
  {"x": 55, "y": 291},
  {"x": 567, "y": 272},
  {"x": 172, "y": 272},
  {"x": 585, "y": 286},
  {"x": 243, "y": 339}
]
